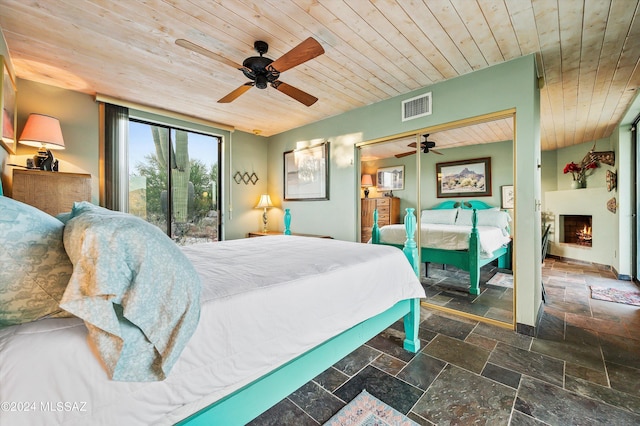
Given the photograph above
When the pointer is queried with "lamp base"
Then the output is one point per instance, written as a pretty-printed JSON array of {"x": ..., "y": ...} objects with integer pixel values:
[
  {"x": 264, "y": 221},
  {"x": 44, "y": 160},
  {"x": 366, "y": 193}
]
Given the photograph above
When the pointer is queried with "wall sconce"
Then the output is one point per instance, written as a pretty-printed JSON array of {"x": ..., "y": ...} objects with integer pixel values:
[
  {"x": 367, "y": 182},
  {"x": 43, "y": 132},
  {"x": 264, "y": 203}
]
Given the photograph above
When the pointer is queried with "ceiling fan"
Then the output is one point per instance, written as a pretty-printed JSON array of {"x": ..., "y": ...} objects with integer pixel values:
[
  {"x": 425, "y": 146},
  {"x": 263, "y": 71}
]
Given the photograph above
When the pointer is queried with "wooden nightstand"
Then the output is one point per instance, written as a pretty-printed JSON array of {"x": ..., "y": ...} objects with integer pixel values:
[
  {"x": 51, "y": 192},
  {"x": 266, "y": 234}
]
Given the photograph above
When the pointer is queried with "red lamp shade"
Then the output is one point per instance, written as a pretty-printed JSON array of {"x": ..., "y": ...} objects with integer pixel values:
[{"x": 42, "y": 131}]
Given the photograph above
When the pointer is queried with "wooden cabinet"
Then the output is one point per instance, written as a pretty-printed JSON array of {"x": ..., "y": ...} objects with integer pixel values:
[
  {"x": 51, "y": 192},
  {"x": 388, "y": 213}
]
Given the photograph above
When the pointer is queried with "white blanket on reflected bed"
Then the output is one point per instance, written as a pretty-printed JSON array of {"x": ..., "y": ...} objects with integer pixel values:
[
  {"x": 264, "y": 301},
  {"x": 448, "y": 237}
]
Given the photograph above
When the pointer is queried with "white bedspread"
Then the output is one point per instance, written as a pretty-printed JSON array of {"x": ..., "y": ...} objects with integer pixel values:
[
  {"x": 448, "y": 237},
  {"x": 264, "y": 301}
]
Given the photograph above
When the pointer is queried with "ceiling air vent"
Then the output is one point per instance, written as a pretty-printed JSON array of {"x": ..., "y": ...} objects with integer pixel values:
[{"x": 416, "y": 107}]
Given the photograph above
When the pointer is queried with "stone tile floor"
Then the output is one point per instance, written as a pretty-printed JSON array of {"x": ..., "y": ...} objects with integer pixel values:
[
  {"x": 582, "y": 368},
  {"x": 449, "y": 287}
]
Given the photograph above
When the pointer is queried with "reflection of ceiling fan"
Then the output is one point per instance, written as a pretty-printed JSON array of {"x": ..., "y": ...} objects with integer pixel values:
[
  {"x": 425, "y": 146},
  {"x": 264, "y": 71}
]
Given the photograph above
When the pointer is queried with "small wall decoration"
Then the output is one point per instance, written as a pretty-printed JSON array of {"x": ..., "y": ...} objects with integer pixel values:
[
  {"x": 612, "y": 205},
  {"x": 466, "y": 178},
  {"x": 8, "y": 116},
  {"x": 390, "y": 178},
  {"x": 507, "y": 197},
  {"x": 245, "y": 177},
  {"x": 612, "y": 180},
  {"x": 606, "y": 157},
  {"x": 306, "y": 173}
]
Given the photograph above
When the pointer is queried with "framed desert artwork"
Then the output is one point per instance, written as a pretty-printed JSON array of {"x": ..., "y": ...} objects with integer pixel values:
[{"x": 464, "y": 178}]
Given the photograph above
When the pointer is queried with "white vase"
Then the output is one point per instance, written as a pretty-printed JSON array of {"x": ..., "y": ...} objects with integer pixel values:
[{"x": 575, "y": 184}]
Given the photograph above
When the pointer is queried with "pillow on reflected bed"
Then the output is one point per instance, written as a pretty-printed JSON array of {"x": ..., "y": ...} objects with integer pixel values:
[
  {"x": 441, "y": 216},
  {"x": 35, "y": 268},
  {"x": 490, "y": 217}
]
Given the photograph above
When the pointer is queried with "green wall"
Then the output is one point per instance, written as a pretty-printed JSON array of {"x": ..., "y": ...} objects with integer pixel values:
[{"x": 512, "y": 84}]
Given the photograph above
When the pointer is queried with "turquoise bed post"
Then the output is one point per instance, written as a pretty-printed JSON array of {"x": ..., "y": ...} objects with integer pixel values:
[
  {"x": 287, "y": 222},
  {"x": 412, "y": 319},
  {"x": 411, "y": 324},
  {"x": 375, "y": 231},
  {"x": 410, "y": 247},
  {"x": 474, "y": 247}
]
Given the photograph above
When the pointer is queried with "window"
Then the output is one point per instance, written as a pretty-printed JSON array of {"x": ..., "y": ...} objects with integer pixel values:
[{"x": 173, "y": 180}]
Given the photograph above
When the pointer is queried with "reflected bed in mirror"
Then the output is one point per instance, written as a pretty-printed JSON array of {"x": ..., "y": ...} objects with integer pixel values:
[{"x": 489, "y": 136}]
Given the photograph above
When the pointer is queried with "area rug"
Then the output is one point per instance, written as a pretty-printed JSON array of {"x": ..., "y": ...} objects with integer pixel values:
[
  {"x": 628, "y": 297},
  {"x": 366, "y": 410},
  {"x": 502, "y": 280}
]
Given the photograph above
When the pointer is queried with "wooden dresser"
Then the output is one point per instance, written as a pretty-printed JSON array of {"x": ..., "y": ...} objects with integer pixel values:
[
  {"x": 388, "y": 213},
  {"x": 51, "y": 192}
]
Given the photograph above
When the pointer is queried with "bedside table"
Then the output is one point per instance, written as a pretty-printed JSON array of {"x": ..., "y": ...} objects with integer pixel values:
[
  {"x": 51, "y": 192},
  {"x": 266, "y": 234}
]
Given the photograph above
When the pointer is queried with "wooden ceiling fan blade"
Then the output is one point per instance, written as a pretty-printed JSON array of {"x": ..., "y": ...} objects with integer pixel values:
[
  {"x": 436, "y": 152},
  {"x": 236, "y": 93},
  {"x": 206, "y": 52},
  {"x": 303, "y": 52},
  {"x": 404, "y": 154},
  {"x": 295, "y": 93}
]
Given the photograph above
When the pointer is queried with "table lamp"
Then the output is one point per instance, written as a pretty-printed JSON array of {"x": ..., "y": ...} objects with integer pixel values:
[
  {"x": 367, "y": 181},
  {"x": 43, "y": 132},
  {"x": 264, "y": 203}
]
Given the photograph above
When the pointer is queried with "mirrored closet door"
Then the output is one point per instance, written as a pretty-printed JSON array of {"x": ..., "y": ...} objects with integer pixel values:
[{"x": 448, "y": 172}]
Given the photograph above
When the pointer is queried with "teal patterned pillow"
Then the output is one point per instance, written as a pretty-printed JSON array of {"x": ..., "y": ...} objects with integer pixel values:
[
  {"x": 35, "y": 268},
  {"x": 135, "y": 289}
]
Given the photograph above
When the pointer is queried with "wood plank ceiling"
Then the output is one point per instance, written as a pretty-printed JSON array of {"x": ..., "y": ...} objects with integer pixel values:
[{"x": 588, "y": 54}]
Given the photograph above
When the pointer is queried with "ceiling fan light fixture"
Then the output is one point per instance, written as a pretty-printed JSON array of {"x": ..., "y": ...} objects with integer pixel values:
[
  {"x": 263, "y": 71},
  {"x": 261, "y": 82}
]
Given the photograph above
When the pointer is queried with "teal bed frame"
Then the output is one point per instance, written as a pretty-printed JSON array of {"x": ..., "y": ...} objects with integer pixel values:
[
  {"x": 247, "y": 403},
  {"x": 467, "y": 260}
]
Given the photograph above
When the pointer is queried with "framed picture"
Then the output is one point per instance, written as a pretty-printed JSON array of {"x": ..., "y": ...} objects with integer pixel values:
[
  {"x": 390, "y": 178},
  {"x": 507, "y": 197},
  {"x": 466, "y": 178},
  {"x": 8, "y": 122},
  {"x": 306, "y": 173}
]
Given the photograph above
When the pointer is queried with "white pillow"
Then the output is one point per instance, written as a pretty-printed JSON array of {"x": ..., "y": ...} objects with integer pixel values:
[
  {"x": 464, "y": 217},
  {"x": 499, "y": 219},
  {"x": 442, "y": 216},
  {"x": 496, "y": 218}
]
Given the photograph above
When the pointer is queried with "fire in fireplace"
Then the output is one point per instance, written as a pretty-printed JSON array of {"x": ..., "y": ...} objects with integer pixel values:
[{"x": 576, "y": 229}]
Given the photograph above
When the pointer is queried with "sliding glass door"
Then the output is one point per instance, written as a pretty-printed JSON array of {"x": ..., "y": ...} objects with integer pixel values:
[{"x": 173, "y": 180}]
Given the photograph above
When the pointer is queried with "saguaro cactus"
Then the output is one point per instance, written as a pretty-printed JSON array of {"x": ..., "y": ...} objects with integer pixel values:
[{"x": 180, "y": 167}]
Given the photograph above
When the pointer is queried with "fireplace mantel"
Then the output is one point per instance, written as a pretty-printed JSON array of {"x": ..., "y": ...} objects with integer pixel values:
[{"x": 585, "y": 201}]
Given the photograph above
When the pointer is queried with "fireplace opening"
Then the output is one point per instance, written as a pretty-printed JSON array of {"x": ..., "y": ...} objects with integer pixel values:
[{"x": 576, "y": 229}]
